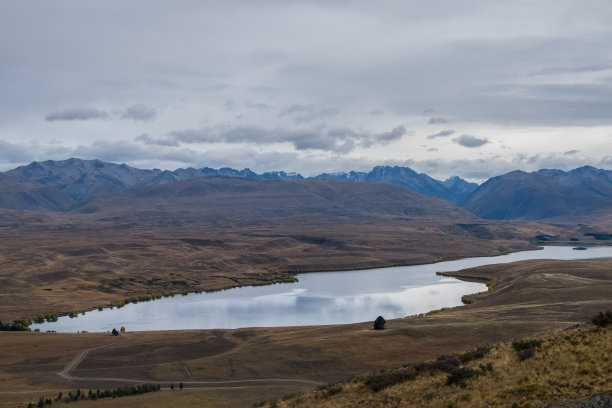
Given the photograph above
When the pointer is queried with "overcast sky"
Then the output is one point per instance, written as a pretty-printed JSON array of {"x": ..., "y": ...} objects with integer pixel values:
[{"x": 469, "y": 88}]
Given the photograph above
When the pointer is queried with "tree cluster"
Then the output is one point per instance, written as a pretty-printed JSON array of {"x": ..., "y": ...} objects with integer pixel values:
[
  {"x": 17, "y": 325},
  {"x": 97, "y": 394}
]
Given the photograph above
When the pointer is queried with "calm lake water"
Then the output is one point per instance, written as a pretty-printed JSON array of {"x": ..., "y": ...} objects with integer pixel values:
[{"x": 317, "y": 299}]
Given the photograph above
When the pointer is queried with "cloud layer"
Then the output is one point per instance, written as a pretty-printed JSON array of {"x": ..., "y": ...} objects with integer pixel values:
[
  {"x": 336, "y": 140},
  {"x": 387, "y": 82}
]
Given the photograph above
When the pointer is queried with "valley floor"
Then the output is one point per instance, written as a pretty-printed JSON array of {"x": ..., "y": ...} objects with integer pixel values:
[{"x": 530, "y": 298}]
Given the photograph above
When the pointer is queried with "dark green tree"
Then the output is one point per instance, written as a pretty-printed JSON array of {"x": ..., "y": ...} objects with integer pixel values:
[{"x": 379, "y": 323}]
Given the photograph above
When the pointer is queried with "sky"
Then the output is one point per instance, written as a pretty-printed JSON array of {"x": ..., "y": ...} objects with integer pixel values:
[{"x": 472, "y": 88}]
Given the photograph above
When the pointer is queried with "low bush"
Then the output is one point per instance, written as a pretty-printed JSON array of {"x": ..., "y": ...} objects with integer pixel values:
[
  {"x": 460, "y": 375},
  {"x": 603, "y": 319},
  {"x": 445, "y": 363},
  {"x": 384, "y": 379},
  {"x": 526, "y": 348}
]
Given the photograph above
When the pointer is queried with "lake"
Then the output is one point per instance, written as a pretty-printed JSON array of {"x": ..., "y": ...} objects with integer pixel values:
[{"x": 317, "y": 299}]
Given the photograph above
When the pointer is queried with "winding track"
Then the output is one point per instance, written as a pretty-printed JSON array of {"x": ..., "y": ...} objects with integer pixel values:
[{"x": 65, "y": 373}]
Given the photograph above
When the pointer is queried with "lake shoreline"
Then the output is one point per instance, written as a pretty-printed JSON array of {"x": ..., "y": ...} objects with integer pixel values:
[{"x": 382, "y": 270}]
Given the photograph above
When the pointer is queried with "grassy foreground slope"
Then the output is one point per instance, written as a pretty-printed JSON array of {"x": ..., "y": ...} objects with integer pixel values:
[{"x": 559, "y": 369}]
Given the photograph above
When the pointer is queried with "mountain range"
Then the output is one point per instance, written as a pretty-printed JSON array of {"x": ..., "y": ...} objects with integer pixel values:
[
  {"x": 553, "y": 195},
  {"x": 88, "y": 185},
  {"x": 81, "y": 178}
]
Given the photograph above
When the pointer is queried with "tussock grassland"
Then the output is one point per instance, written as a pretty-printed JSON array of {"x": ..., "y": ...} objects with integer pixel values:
[
  {"x": 564, "y": 366},
  {"x": 531, "y": 299},
  {"x": 72, "y": 264}
]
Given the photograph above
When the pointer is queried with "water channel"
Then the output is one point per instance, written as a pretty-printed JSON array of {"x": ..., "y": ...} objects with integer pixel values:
[{"x": 317, "y": 299}]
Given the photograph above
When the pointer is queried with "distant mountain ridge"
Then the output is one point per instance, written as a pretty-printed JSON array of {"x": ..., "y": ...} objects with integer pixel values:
[
  {"x": 454, "y": 189},
  {"x": 543, "y": 195},
  {"x": 550, "y": 195},
  {"x": 82, "y": 178}
]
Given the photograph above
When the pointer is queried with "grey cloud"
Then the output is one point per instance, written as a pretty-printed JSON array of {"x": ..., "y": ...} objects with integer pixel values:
[
  {"x": 260, "y": 106},
  {"x": 571, "y": 152},
  {"x": 432, "y": 149},
  {"x": 470, "y": 141},
  {"x": 136, "y": 112},
  {"x": 339, "y": 140},
  {"x": 140, "y": 112},
  {"x": 377, "y": 112},
  {"x": 437, "y": 120},
  {"x": 443, "y": 133},
  {"x": 393, "y": 135},
  {"x": 148, "y": 140},
  {"x": 77, "y": 114},
  {"x": 606, "y": 162},
  {"x": 119, "y": 151},
  {"x": 571, "y": 70},
  {"x": 307, "y": 113},
  {"x": 12, "y": 153}
]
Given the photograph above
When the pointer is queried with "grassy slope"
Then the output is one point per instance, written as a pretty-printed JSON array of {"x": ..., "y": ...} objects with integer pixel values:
[{"x": 566, "y": 366}]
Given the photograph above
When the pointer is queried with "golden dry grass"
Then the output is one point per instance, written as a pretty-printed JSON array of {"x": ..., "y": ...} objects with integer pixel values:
[
  {"x": 568, "y": 365},
  {"x": 68, "y": 263}
]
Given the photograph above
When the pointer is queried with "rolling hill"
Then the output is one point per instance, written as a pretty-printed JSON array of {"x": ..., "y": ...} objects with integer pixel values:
[{"x": 241, "y": 198}]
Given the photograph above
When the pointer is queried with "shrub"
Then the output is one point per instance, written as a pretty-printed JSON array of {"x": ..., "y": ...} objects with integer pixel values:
[
  {"x": 445, "y": 363},
  {"x": 383, "y": 379},
  {"x": 475, "y": 354},
  {"x": 460, "y": 375},
  {"x": 603, "y": 319},
  {"x": 526, "y": 348}
]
